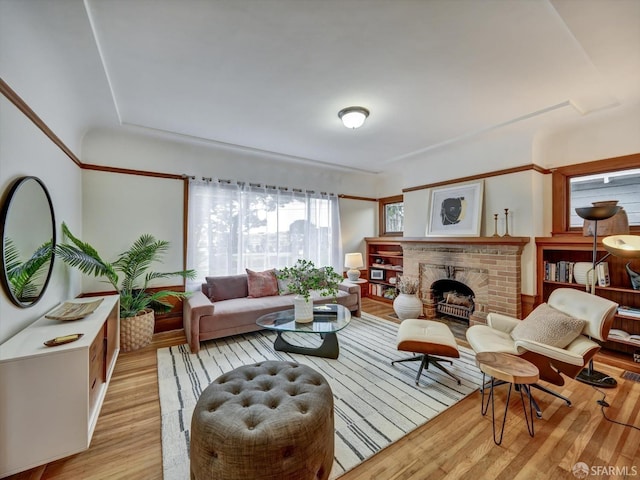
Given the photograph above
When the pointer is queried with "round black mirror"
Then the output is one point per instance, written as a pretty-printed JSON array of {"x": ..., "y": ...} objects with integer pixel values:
[{"x": 28, "y": 239}]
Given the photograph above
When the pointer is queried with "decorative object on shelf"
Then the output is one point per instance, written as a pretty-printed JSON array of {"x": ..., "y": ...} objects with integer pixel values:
[
  {"x": 634, "y": 277},
  {"x": 455, "y": 210},
  {"x": 596, "y": 213},
  {"x": 389, "y": 293},
  {"x": 54, "y": 342},
  {"x": 407, "y": 304},
  {"x": 617, "y": 224},
  {"x": 506, "y": 223},
  {"x": 353, "y": 261},
  {"x": 495, "y": 225},
  {"x": 353, "y": 117},
  {"x": 73, "y": 310},
  {"x": 302, "y": 278},
  {"x": 376, "y": 274},
  {"x": 581, "y": 273},
  {"x": 135, "y": 298}
]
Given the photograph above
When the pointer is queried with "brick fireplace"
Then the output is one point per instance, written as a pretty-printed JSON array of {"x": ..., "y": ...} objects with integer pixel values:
[{"x": 488, "y": 266}]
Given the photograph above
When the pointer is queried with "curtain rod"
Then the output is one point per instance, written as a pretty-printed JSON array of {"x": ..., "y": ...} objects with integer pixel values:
[{"x": 256, "y": 185}]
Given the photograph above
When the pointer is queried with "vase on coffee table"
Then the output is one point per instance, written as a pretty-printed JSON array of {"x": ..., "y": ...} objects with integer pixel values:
[{"x": 302, "y": 309}]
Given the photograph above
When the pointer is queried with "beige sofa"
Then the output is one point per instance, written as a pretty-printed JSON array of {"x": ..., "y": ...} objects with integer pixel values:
[{"x": 223, "y": 308}]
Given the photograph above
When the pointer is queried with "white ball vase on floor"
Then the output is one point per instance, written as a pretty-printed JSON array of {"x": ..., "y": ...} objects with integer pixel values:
[{"x": 407, "y": 305}]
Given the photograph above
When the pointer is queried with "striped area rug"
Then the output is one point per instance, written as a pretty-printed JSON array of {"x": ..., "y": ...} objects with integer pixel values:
[{"x": 375, "y": 403}]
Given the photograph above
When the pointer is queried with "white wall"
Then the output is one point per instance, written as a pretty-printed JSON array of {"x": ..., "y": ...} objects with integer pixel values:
[
  {"x": 118, "y": 208},
  {"x": 613, "y": 133},
  {"x": 358, "y": 219},
  {"x": 517, "y": 191},
  {"x": 27, "y": 151},
  {"x": 142, "y": 150}
]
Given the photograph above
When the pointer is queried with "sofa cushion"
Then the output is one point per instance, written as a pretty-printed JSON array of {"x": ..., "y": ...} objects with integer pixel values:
[
  {"x": 549, "y": 326},
  {"x": 283, "y": 284},
  {"x": 262, "y": 284},
  {"x": 226, "y": 287}
]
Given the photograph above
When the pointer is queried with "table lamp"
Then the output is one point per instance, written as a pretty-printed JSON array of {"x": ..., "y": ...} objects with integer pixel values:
[{"x": 353, "y": 261}]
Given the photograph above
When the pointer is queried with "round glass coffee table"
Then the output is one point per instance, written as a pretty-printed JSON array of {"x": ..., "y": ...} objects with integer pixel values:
[{"x": 327, "y": 321}]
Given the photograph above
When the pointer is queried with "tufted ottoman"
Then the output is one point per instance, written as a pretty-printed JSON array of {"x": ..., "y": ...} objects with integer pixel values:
[{"x": 270, "y": 420}]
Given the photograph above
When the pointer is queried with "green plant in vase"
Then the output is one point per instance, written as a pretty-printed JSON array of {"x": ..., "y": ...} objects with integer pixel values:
[{"x": 303, "y": 278}]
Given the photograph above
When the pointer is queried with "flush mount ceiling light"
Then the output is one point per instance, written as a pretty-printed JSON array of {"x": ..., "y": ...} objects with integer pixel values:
[{"x": 353, "y": 117}]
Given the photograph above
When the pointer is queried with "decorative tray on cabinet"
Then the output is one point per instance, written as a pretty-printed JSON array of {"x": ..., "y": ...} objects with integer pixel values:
[{"x": 73, "y": 310}]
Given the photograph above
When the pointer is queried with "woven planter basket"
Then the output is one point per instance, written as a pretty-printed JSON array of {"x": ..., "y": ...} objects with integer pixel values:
[{"x": 136, "y": 332}]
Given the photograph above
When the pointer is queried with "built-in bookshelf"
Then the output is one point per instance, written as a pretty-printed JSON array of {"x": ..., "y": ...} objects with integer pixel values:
[
  {"x": 566, "y": 271},
  {"x": 562, "y": 259},
  {"x": 384, "y": 264}
]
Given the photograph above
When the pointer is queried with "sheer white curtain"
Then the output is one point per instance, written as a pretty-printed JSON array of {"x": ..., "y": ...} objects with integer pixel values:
[{"x": 233, "y": 226}]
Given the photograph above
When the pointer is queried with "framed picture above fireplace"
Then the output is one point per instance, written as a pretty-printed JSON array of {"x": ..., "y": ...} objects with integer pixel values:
[{"x": 456, "y": 210}]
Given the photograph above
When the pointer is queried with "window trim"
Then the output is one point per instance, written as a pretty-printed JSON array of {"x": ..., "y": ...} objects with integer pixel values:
[
  {"x": 382, "y": 220},
  {"x": 561, "y": 191}
]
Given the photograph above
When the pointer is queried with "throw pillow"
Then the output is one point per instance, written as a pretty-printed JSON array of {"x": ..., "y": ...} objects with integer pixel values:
[
  {"x": 549, "y": 326},
  {"x": 226, "y": 287},
  {"x": 283, "y": 285},
  {"x": 262, "y": 284}
]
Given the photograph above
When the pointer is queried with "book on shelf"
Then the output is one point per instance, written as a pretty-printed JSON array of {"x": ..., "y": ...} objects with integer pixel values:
[
  {"x": 602, "y": 270},
  {"x": 561, "y": 271},
  {"x": 617, "y": 334},
  {"x": 629, "y": 311}
]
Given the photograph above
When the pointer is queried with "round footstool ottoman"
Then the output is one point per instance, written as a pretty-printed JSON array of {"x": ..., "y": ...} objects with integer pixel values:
[{"x": 270, "y": 420}]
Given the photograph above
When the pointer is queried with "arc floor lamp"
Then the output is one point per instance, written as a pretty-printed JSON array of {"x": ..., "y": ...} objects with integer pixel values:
[{"x": 627, "y": 246}]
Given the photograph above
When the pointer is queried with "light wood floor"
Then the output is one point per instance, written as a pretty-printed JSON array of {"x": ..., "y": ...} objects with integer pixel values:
[{"x": 456, "y": 444}]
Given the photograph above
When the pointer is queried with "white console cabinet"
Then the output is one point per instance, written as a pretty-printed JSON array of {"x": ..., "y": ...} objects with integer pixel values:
[{"x": 50, "y": 397}]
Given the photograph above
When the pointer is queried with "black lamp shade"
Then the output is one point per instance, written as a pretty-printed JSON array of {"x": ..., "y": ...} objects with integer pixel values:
[{"x": 601, "y": 212}]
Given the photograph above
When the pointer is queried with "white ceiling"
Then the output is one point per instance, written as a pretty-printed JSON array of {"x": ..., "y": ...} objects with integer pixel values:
[{"x": 271, "y": 75}]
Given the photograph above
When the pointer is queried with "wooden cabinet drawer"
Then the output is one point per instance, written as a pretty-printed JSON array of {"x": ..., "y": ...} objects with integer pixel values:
[{"x": 96, "y": 368}]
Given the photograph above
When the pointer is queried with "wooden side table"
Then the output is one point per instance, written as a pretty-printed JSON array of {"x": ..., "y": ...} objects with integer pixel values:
[
  {"x": 505, "y": 368},
  {"x": 364, "y": 287}
]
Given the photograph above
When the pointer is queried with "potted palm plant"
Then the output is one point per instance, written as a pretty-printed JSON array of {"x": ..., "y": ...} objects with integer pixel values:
[
  {"x": 301, "y": 279},
  {"x": 137, "y": 302}
]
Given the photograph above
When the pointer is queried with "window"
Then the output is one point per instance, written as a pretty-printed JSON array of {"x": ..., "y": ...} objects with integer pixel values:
[
  {"x": 233, "y": 226},
  {"x": 391, "y": 215},
  {"x": 579, "y": 185},
  {"x": 623, "y": 186}
]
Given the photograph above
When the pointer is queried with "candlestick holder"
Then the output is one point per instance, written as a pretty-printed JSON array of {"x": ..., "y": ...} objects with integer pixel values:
[
  {"x": 506, "y": 223},
  {"x": 495, "y": 225}
]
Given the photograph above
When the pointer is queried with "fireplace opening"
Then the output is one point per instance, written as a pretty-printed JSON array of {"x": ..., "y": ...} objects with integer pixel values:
[{"x": 453, "y": 298}]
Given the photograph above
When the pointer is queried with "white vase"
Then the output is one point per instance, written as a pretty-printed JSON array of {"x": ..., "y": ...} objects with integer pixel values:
[
  {"x": 302, "y": 309},
  {"x": 407, "y": 305},
  {"x": 582, "y": 272}
]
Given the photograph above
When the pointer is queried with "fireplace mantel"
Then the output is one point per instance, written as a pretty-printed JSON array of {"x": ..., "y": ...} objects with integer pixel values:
[{"x": 464, "y": 240}]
